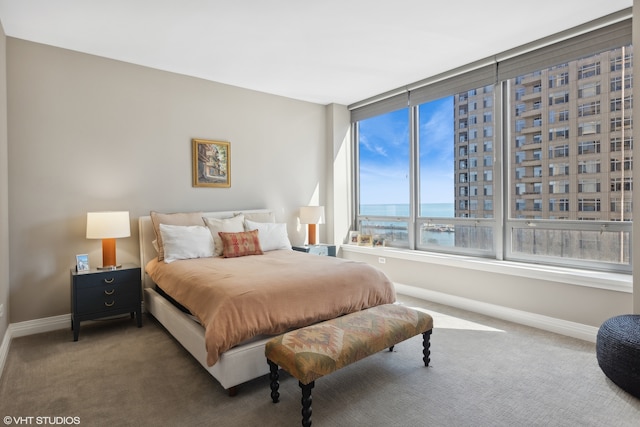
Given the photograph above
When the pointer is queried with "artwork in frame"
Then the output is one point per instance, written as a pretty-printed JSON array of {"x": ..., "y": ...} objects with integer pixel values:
[
  {"x": 365, "y": 240},
  {"x": 353, "y": 237},
  {"x": 82, "y": 262},
  {"x": 211, "y": 163}
]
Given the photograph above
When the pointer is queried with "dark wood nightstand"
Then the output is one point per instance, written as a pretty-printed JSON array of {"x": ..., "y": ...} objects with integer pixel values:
[
  {"x": 102, "y": 293},
  {"x": 319, "y": 249}
]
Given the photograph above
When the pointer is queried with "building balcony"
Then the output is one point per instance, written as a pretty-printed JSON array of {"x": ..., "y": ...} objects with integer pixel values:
[
  {"x": 531, "y": 96},
  {"x": 531, "y": 129}
]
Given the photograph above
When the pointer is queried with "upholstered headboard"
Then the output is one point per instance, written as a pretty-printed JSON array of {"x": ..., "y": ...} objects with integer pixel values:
[{"x": 148, "y": 235}]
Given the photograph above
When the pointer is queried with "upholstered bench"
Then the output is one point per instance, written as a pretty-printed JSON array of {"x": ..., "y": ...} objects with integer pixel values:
[{"x": 317, "y": 350}]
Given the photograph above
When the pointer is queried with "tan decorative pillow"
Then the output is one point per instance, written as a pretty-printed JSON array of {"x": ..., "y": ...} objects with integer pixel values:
[
  {"x": 187, "y": 218},
  {"x": 227, "y": 225},
  {"x": 259, "y": 216},
  {"x": 240, "y": 244}
]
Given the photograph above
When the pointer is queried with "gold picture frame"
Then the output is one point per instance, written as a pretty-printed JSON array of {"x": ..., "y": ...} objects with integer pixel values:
[
  {"x": 211, "y": 163},
  {"x": 365, "y": 240}
]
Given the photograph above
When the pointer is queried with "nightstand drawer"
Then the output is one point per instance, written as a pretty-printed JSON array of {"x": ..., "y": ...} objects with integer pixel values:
[
  {"x": 107, "y": 297},
  {"x": 108, "y": 278}
]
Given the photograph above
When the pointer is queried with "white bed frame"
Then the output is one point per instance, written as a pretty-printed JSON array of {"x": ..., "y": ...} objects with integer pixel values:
[{"x": 236, "y": 366}]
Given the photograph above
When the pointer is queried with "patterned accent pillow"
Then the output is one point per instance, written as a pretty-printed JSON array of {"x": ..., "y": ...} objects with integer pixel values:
[{"x": 240, "y": 244}]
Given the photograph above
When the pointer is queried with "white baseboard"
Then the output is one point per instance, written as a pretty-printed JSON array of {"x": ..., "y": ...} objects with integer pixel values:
[
  {"x": 4, "y": 351},
  {"x": 559, "y": 326},
  {"x": 38, "y": 326},
  {"x": 31, "y": 327}
]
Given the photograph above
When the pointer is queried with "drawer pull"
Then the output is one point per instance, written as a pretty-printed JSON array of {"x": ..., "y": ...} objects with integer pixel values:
[
  {"x": 106, "y": 292},
  {"x": 107, "y": 304},
  {"x": 109, "y": 280}
]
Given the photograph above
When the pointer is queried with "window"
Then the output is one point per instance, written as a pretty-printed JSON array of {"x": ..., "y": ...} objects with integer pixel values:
[
  {"x": 618, "y": 165},
  {"x": 618, "y": 145},
  {"x": 559, "y": 151},
  {"x": 589, "y": 70},
  {"x": 589, "y": 205},
  {"x": 588, "y": 166},
  {"x": 589, "y": 109},
  {"x": 558, "y": 133},
  {"x": 588, "y": 128},
  {"x": 588, "y": 90},
  {"x": 619, "y": 184},
  {"x": 559, "y": 98},
  {"x": 558, "y": 80},
  {"x": 556, "y": 187},
  {"x": 588, "y": 147},
  {"x": 618, "y": 105},
  {"x": 556, "y": 169},
  {"x": 557, "y": 104},
  {"x": 384, "y": 164},
  {"x": 589, "y": 186}
]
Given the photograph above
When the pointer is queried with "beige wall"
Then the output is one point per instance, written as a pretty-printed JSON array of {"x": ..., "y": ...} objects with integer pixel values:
[
  {"x": 4, "y": 192},
  {"x": 551, "y": 298},
  {"x": 88, "y": 133}
]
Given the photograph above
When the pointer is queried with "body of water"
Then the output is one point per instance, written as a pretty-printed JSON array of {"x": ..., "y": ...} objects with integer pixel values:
[{"x": 439, "y": 234}]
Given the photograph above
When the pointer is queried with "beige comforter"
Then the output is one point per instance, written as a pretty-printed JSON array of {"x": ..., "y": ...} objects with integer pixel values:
[{"x": 238, "y": 298}]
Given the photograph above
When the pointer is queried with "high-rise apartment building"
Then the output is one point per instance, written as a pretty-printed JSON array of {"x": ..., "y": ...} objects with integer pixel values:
[{"x": 569, "y": 141}]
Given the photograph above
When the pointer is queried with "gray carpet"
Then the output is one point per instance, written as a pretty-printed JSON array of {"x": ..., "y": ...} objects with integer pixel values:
[{"x": 484, "y": 372}]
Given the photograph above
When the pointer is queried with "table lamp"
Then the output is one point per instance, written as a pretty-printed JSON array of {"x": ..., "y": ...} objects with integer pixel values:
[
  {"x": 312, "y": 215},
  {"x": 108, "y": 226}
]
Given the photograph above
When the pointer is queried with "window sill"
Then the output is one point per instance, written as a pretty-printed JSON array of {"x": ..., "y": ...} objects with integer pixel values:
[{"x": 593, "y": 279}]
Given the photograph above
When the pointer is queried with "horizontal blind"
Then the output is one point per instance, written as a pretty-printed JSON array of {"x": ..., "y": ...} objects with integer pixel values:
[
  {"x": 596, "y": 41},
  {"x": 385, "y": 105},
  {"x": 452, "y": 83},
  {"x": 603, "y": 34}
]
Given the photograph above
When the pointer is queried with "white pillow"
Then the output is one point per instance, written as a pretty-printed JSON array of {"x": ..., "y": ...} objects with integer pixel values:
[
  {"x": 228, "y": 225},
  {"x": 186, "y": 242},
  {"x": 272, "y": 235}
]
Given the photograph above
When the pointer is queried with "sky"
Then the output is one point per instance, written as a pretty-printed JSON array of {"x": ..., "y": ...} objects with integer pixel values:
[{"x": 384, "y": 155}]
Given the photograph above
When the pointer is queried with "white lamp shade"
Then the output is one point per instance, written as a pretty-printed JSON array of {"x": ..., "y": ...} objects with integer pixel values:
[
  {"x": 108, "y": 225},
  {"x": 312, "y": 215}
]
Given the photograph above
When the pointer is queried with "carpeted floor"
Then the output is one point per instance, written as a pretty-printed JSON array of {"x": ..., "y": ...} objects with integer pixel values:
[{"x": 484, "y": 372}]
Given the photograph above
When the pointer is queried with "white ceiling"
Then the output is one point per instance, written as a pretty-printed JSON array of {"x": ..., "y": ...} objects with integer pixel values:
[{"x": 323, "y": 51}]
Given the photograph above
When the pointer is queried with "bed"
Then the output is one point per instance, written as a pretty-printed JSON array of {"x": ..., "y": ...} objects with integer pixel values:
[{"x": 239, "y": 357}]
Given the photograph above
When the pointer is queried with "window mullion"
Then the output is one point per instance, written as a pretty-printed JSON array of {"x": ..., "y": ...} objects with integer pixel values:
[{"x": 414, "y": 181}]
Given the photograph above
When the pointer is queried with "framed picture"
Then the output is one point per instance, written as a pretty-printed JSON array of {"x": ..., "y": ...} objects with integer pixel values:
[
  {"x": 82, "y": 262},
  {"x": 211, "y": 163},
  {"x": 353, "y": 237},
  {"x": 379, "y": 242},
  {"x": 365, "y": 240}
]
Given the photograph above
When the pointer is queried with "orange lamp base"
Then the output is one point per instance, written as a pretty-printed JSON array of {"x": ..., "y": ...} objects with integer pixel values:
[
  {"x": 108, "y": 255},
  {"x": 312, "y": 234}
]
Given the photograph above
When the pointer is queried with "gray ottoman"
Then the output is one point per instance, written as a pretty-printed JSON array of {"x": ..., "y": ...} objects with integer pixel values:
[{"x": 618, "y": 351}]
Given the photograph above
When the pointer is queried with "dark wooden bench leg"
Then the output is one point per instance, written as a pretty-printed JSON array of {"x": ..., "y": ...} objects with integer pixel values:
[
  {"x": 426, "y": 344},
  {"x": 273, "y": 376},
  {"x": 306, "y": 403}
]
